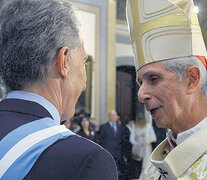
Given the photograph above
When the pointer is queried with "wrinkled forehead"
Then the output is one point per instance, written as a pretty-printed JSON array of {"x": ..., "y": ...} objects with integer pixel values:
[{"x": 150, "y": 67}]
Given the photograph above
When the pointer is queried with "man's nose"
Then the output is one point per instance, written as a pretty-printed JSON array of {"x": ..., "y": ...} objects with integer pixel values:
[{"x": 143, "y": 93}]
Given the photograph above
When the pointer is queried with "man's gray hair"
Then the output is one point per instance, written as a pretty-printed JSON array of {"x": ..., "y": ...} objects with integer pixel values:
[
  {"x": 31, "y": 34},
  {"x": 180, "y": 66}
]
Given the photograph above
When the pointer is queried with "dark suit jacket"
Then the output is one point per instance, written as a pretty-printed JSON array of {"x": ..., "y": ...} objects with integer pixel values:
[
  {"x": 109, "y": 141},
  {"x": 74, "y": 158}
]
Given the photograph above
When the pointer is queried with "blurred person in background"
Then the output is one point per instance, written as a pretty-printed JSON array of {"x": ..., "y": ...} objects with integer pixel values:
[
  {"x": 109, "y": 135},
  {"x": 85, "y": 130},
  {"x": 75, "y": 127},
  {"x": 131, "y": 167},
  {"x": 142, "y": 136},
  {"x": 82, "y": 113}
]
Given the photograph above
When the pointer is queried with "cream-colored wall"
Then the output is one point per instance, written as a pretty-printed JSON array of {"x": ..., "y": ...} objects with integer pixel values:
[
  {"x": 111, "y": 58},
  {"x": 123, "y": 49}
]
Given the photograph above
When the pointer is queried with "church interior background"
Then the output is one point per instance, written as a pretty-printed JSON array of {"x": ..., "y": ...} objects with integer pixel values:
[{"x": 111, "y": 73}]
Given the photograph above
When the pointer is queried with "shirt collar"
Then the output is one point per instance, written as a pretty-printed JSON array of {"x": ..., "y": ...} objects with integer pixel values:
[
  {"x": 185, "y": 134},
  {"x": 171, "y": 139},
  {"x": 112, "y": 123},
  {"x": 24, "y": 95}
]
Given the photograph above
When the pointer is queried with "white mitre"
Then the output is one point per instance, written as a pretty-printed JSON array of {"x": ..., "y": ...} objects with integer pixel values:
[{"x": 164, "y": 29}]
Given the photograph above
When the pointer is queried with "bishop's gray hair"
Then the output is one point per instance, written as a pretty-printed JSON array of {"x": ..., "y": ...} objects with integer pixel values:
[
  {"x": 31, "y": 34},
  {"x": 180, "y": 66}
]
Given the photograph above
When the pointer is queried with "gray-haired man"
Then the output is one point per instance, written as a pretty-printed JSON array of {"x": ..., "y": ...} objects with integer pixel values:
[
  {"x": 171, "y": 71},
  {"x": 43, "y": 68}
]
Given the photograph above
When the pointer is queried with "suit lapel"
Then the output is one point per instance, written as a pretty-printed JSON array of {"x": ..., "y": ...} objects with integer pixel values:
[{"x": 112, "y": 130}]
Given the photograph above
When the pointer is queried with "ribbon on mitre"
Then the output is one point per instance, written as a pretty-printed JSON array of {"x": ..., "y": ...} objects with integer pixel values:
[{"x": 203, "y": 60}]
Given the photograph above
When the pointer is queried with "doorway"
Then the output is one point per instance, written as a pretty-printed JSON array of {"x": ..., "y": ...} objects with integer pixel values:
[{"x": 127, "y": 104}]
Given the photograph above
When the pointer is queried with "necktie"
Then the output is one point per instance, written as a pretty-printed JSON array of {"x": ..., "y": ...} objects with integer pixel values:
[{"x": 114, "y": 127}]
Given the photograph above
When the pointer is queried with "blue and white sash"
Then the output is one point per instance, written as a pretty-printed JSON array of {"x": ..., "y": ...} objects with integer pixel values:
[{"x": 20, "y": 149}]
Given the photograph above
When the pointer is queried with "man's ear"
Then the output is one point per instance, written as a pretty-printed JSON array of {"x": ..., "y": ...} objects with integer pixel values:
[
  {"x": 63, "y": 58},
  {"x": 194, "y": 77}
]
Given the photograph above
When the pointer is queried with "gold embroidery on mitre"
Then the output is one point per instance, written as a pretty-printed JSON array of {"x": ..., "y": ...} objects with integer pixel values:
[{"x": 152, "y": 29}]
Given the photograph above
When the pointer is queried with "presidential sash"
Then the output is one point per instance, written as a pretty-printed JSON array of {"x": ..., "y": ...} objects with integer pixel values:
[{"x": 20, "y": 149}]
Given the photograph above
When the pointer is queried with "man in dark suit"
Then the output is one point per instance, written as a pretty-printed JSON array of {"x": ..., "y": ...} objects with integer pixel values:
[
  {"x": 43, "y": 68},
  {"x": 110, "y": 136}
]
